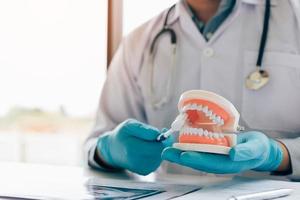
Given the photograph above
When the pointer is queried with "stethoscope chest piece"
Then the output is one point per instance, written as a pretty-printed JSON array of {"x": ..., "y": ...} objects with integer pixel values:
[
  {"x": 257, "y": 79},
  {"x": 260, "y": 77}
]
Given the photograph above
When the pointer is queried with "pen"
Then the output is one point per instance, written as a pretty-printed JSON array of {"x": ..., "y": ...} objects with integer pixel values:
[{"x": 271, "y": 194}]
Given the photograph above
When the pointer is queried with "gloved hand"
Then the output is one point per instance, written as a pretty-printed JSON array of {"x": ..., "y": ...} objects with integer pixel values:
[
  {"x": 254, "y": 151},
  {"x": 132, "y": 145}
]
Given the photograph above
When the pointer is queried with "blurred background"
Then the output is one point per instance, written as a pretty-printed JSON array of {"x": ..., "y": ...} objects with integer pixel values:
[{"x": 53, "y": 59}]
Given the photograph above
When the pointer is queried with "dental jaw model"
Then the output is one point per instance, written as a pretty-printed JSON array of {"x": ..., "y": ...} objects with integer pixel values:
[{"x": 207, "y": 123}]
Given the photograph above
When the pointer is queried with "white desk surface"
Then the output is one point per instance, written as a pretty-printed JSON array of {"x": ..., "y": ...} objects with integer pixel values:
[{"x": 18, "y": 177}]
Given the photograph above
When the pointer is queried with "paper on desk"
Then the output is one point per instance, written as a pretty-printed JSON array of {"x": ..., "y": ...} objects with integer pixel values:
[
  {"x": 239, "y": 186},
  {"x": 137, "y": 190},
  {"x": 109, "y": 189}
]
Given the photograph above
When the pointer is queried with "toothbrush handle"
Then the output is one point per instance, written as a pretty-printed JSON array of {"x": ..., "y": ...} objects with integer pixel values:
[{"x": 164, "y": 136}]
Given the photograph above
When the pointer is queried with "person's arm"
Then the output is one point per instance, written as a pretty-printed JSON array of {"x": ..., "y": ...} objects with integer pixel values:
[
  {"x": 292, "y": 145},
  {"x": 290, "y": 166},
  {"x": 120, "y": 100},
  {"x": 254, "y": 151}
]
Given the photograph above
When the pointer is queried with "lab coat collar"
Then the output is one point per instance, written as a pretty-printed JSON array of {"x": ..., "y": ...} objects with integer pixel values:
[
  {"x": 173, "y": 17},
  {"x": 260, "y": 2}
]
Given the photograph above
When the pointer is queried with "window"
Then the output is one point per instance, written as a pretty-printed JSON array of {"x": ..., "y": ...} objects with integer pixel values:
[{"x": 53, "y": 62}]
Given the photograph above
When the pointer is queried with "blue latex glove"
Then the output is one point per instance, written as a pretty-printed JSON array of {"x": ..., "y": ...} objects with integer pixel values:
[
  {"x": 254, "y": 151},
  {"x": 132, "y": 145}
]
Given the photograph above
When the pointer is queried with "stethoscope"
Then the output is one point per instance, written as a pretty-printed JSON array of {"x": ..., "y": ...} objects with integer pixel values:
[{"x": 254, "y": 81}]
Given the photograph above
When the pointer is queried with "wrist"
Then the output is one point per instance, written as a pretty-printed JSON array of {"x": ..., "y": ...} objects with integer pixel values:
[
  {"x": 103, "y": 152},
  {"x": 100, "y": 161},
  {"x": 274, "y": 158},
  {"x": 285, "y": 165}
]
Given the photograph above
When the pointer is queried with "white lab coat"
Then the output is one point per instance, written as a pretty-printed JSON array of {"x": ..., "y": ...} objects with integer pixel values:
[{"x": 219, "y": 65}]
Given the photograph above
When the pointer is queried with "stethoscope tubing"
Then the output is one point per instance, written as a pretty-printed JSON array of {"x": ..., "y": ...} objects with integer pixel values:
[
  {"x": 264, "y": 35},
  {"x": 157, "y": 103}
]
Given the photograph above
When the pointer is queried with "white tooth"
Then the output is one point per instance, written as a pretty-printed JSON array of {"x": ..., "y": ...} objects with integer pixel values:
[
  {"x": 185, "y": 129},
  {"x": 215, "y": 121},
  {"x": 212, "y": 117},
  {"x": 193, "y": 131},
  {"x": 222, "y": 122},
  {"x": 209, "y": 113},
  {"x": 218, "y": 119},
  {"x": 200, "y": 131},
  {"x": 216, "y": 135},
  {"x": 195, "y": 106},
  {"x": 221, "y": 135},
  {"x": 205, "y": 109},
  {"x": 200, "y": 107},
  {"x": 205, "y": 133}
]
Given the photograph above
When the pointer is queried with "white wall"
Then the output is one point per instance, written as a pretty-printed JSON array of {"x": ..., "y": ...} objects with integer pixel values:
[
  {"x": 52, "y": 53},
  {"x": 137, "y": 12}
]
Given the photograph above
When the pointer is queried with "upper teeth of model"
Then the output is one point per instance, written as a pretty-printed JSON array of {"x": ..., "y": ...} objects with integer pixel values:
[{"x": 208, "y": 113}]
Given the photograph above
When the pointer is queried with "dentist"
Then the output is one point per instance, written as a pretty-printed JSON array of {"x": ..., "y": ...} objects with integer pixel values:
[{"x": 217, "y": 46}]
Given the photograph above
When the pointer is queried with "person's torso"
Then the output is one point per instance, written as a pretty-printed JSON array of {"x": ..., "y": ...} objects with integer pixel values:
[{"x": 222, "y": 64}]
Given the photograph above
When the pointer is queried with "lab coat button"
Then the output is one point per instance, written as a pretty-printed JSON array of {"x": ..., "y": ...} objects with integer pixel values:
[
  {"x": 209, "y": 35},
  {"x": 208, "y": 52}
]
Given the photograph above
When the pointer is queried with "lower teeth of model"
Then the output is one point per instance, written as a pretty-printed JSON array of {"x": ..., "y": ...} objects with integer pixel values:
[{"x": 201, "y": 132}]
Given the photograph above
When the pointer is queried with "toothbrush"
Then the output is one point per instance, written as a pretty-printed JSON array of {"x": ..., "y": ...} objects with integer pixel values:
[{"x": 176, "y": 126}]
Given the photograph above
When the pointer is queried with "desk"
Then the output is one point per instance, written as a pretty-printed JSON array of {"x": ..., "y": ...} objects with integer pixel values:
[{"x": 18, "y": 177}]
